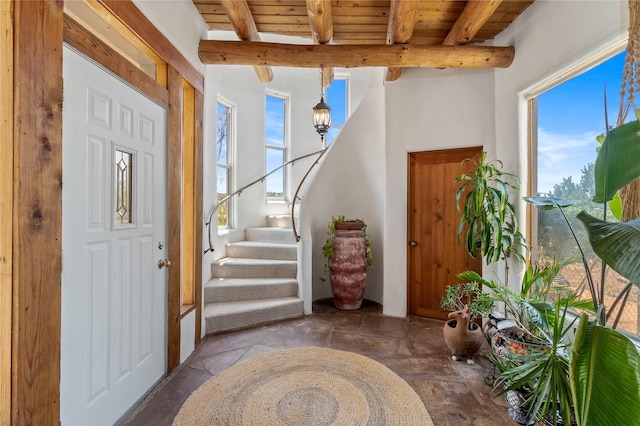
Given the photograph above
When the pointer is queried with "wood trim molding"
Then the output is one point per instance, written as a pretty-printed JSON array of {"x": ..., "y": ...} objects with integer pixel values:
[
  {"x": 133, "y": 18},
  {"x": 82, "y": 40},
  {"x": 37, "y": 201},
  {"x": 6, "y": 205},
  {"x": 174, "y": 217},
  {"x": 199, "y": 213}
]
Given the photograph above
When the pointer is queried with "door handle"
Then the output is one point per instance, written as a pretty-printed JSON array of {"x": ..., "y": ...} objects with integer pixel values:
[
  {"x": 164, "y": 262},
  {"x": 413, "y": 243}
]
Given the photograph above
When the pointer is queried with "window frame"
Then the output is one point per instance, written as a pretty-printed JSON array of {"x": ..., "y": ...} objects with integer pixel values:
[
  {"x": 530, "y": 98},
  {"x": 285, "y": 144},
  {"x": 229, "y": 164}
]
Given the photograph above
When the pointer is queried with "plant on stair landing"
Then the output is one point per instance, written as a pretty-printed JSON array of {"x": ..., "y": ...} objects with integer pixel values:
[{"x": 348, "y": 258}]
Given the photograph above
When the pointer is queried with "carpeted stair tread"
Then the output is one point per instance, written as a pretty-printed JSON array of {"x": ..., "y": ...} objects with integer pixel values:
[
  {"x": 238, "y": 289},
  {"x": 270, "y": 234},
  {"x": 262, "y": 250},
  {"x": 233, "y": 315},
  {"x": 254, "y": 268}
]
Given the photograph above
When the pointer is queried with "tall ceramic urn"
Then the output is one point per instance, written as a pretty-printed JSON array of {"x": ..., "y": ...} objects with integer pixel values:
[{"x": 348, "y": 266}]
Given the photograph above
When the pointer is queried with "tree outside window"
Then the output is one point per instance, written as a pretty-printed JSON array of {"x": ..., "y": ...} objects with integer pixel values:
[{"x": 223, "y": 169}]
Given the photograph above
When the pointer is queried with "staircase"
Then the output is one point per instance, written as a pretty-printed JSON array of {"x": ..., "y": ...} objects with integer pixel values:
[{"x": 256, "y": 282}]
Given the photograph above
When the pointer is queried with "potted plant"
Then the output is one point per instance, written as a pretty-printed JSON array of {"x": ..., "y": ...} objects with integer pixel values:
[
  {"x": 601, "y": 368},
  {"x": 488, "y": 222},
  {"x": 462, "y": 334},
  {"x": 348, "y": 258},
  {"x": 531, "y": 347}
]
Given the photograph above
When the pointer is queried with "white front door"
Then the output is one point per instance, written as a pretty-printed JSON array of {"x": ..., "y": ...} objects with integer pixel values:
[{"x": 113, "y": 343}]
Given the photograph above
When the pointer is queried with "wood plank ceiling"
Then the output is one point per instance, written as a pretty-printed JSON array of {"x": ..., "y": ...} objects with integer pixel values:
[{"x": 351, "y": 33}]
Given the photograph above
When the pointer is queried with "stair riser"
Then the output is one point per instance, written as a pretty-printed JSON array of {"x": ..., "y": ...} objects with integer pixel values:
[
  {"x": 274, "y": 235},
  {"x": 284, "y": 253},
  {"x": 214, "y": 294},
  {"x": 254, "y": 271},
  {"x": 245, "y": 319}
]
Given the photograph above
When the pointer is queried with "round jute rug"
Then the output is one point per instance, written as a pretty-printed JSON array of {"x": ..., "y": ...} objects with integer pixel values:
[{"x": 305, "y": 387}]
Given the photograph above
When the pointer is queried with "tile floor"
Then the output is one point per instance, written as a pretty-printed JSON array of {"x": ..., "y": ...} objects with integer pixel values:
[{"x": 454, "y": 392}]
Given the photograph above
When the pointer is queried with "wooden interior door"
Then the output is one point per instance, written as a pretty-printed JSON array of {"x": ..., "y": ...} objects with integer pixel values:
[{"x": 434, "y": 256}]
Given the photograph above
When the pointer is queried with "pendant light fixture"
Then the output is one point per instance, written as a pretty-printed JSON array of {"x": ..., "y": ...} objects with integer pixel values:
[{"x": 321, "y": 114}]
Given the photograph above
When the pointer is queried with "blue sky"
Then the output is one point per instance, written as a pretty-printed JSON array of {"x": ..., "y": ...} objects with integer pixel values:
[{"x": 570, "y": 116}]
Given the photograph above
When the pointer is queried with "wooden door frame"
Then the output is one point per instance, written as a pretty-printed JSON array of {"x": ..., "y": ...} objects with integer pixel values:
[{"x": 33, "y": 206}]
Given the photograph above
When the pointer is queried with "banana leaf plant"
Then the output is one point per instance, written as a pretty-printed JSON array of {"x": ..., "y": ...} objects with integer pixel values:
[{"x": 604, "y": 363}]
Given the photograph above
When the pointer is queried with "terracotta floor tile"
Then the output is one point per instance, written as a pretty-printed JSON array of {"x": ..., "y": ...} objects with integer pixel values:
[{"x": 454, "y": 392}]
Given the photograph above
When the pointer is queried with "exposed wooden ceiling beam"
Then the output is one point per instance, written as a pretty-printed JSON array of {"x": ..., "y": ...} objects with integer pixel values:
[
  {"x": 321, "y": 23},
  {"x": 243, "y": 24},
  {"x": 402, "y": 19},
  {"x": 352, "y": 55},
  {"x": 475, "y": 14}
]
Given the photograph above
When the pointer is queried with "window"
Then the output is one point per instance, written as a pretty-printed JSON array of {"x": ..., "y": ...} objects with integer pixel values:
[
  {"x": 275, "y": 143},
  {"x": 337, "y": 98},
  {"x": 224, "y": 167},
  {"x": 570, "y": 116}
]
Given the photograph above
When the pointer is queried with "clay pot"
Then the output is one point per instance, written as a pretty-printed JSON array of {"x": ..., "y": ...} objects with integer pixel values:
[
  {"x": 348, "y": 266},
  {"x": 462, "y": 341}
]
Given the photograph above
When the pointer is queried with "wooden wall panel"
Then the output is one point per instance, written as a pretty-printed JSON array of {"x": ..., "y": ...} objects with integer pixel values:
[
  {"x": 82, "y": 40},
  {"x": 140, "y": 25},
  {"x": 188, "y": 199},
  {"x": 199, "y": 213},
  {"x": 37, "y": 212},
  {"x": 6, "y": 205},
  {"x": 174, "y": 183}
]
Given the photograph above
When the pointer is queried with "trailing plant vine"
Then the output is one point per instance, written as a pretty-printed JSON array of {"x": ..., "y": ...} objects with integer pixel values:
[{"x": 327, "y": 249}]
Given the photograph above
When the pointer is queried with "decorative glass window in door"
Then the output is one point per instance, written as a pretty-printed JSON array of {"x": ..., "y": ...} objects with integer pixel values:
[{"x": 123, "y": 187}]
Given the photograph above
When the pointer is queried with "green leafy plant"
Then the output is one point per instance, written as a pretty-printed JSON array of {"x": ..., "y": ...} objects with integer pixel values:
[
  {"x": 604, "y": 363},
  {"x": 532, "y": 308},
  {"x": 327, "y": 248},
  {"x": 488, "y": 223},
  {"x": 543, "y": 376},
  {"x": 470, "y": 294}
]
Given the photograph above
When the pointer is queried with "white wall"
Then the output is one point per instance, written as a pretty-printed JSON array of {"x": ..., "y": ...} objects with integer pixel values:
[
  {"x": 426, "y": 109},
  {"x": 551, "y": 38},
  {"x": 349, "y": 182},
  {"x": 240, "y": 86},
  {"x": 180, "y": 22}
]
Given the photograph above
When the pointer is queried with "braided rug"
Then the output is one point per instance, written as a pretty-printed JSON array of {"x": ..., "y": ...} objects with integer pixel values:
[{"x": 305, "y": 386}]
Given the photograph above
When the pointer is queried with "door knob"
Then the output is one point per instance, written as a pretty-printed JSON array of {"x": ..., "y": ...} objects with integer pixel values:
[
  {"x": 413, "y": 243},
  {"x": 164, "y": 262}
]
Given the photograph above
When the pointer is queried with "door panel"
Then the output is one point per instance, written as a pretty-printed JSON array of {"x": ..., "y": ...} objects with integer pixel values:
[
  {"x": 434, "y": 256},
  {"x": 113, "y": 340}
]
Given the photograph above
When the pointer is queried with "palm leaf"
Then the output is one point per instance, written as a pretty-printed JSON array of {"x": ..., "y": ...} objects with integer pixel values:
[
  {"x": 605, "y": 376},
  {"x": 617, "y": 163},
  {"x": 617, "y": 244}
]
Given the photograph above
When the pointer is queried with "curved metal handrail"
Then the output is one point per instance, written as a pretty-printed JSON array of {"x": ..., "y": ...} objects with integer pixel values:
[
  {"x": 239, "y": 191},
  {"x": 295, "y": 197}
]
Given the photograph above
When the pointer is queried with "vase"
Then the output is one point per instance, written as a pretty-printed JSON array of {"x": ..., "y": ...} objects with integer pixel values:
[
  {"x": 348, "y": 266},
  {"x": 462, "y": 339}
]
